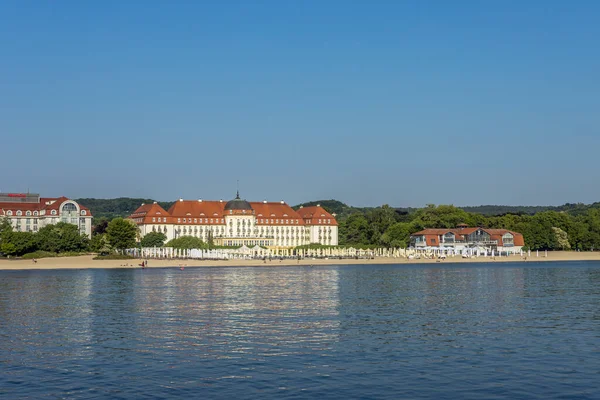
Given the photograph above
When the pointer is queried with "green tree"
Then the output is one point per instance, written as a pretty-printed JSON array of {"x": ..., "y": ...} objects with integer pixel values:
[
  {"x": 355, "y": 230},
  {"x": 61, "y": 237},
  {"x": 562, "y": 239},
  {"x": 99, "y": 244},
  {"x": 5, "y": 231},
  {"x": 397, "y": 235},
  {"x": 100, "y": 226},
  {"x": 187, "y": 242},
  {"x": 153, "y": 239},
  {"x": 18, "y": 243},
  {"x": 121, "y": 233}
]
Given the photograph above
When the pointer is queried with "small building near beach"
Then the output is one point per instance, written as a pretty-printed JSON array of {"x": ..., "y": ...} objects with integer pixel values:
[
  {"x": 28, "y": 212},
  {"x": 468, "y": 237},
  {"x": 238, "y": 222}
]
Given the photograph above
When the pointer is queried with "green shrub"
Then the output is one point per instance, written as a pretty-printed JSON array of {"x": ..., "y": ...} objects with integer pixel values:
[
  {"x": 46, "y": 254},
  {"x": 114, "y": 257},
  {"x": 39, "y": 254}
]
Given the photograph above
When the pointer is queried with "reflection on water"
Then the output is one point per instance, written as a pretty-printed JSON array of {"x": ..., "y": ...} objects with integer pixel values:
[{"x": 451, "y": 331}]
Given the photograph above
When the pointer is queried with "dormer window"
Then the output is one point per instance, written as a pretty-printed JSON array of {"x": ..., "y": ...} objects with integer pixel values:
[
  {"x": 35, "y": 213},
  {"x": 53, "y": 212},
  {"x": 28, "y": 213},
  {"x": 83, "y": 212},
  {"x": 9, "y": 212},
  {"x": 19, "y": 213}
]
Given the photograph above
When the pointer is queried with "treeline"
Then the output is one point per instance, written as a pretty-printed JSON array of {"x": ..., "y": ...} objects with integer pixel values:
[
  {"x": 548, "y": 230},
  {"x": 490, "y": 210},
  {"x": 124, "y": 206},
  {"x": 64, "y": 239},
  {"x": 121, "y": 207},
  {"x": 570, "y": 226}
]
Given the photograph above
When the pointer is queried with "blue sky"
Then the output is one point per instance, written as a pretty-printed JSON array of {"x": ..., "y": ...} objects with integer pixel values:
[{"x": 375, "y": 102}]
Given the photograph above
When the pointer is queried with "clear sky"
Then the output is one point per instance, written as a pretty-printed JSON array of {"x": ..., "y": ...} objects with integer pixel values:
[{"x": 369, "y": 102}]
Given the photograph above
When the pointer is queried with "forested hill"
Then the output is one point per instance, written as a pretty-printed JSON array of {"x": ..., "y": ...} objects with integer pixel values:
[
  {"x": 571, "y": 208},
  {"x": 120, "y": 207},
  {"x": 124, "y": 206}
]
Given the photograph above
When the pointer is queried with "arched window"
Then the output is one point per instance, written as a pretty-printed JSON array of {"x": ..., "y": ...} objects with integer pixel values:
[
  {"x": 53, "y": 212},
  {"x": 9, "y": 212},
  {"x": 35, "y": 213},
  {"x": 69, "y": 208},
  {"x": 83, "y": 212},
  {"x": 19, "y": 213},
  {"x": 28, "y": 213}
]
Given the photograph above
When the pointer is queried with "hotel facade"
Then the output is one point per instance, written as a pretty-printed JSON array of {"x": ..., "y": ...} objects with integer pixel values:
[
  {"x": 464, "y": 237},
  {"x": 238, "y": 222},
  {"x": 28, "y": 212}
]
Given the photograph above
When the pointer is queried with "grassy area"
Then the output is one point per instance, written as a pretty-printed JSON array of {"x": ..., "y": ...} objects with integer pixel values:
[
  {"x": 114, "y": 257},
  {"x": 47, "y": 254}
]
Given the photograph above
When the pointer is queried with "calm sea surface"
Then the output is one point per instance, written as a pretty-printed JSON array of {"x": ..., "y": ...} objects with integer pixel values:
[{"x": 452, "y": 331}]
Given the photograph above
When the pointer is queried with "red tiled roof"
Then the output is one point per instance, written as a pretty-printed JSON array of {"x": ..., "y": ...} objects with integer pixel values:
[
  {"x": 316, "y": 215},
  {"x": 213, "y": 213},
  {"x": 148, "y": 211},
  {"x": 198, "y": 209},
  {"x": 280, "y": 213},
  {"x": 495, "y": 234},
  {"x": 42, "y": 205}
]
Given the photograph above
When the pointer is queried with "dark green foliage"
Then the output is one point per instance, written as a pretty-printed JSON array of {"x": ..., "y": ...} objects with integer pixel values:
[
  {"x": 121, "y": 234},
  {"x": 46, "y": 254},
  {"x": 576, "y": 227},
  {"x": 153, "y": 239},
  {"x": 60, "y": 238},
  {"x": 17, "y": 243},
  {"x": 114, "y": 257},
  {"x": 187, "y": 242},
  {"x": 120, "y": 207}
]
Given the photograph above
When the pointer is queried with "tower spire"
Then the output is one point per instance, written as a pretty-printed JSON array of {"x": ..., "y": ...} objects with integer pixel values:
[{"x": 238, "y": 190}]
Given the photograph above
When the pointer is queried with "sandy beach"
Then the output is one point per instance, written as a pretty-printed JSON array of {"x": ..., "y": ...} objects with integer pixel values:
[{"x": 85, "y": 262}]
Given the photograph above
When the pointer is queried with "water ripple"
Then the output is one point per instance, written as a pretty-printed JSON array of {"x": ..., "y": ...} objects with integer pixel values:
[{"x": 477, "y": 331}]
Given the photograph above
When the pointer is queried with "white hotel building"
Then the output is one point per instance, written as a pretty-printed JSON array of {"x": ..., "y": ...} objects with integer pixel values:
[
  {"x": 239, "y": 222},
  {"x": 29, "y": 212}
]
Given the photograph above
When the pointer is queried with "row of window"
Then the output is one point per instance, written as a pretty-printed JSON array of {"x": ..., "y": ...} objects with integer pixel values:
[{"x": 35, "y": 213}]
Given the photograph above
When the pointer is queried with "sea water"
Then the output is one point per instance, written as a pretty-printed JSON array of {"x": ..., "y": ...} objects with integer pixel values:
[{"x": 437, "y": 331}]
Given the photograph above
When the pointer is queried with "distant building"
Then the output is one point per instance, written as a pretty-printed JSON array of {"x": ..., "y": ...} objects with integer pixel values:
[
  {"x": 29, "y": 212},
  {"x": 465, "y": 237},
  {"x": 238, "y": 222}
]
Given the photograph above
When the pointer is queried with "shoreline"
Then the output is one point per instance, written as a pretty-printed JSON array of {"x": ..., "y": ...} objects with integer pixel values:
[{"x": 87, "y": 262}]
